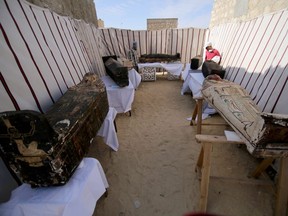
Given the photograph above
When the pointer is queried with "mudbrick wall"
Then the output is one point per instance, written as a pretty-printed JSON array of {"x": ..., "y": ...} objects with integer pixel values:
[
  {"x": 227, "y": 11},
  {"x": 84, "y": 9}
]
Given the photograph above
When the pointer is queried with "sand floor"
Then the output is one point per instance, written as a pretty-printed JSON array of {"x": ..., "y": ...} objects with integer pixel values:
[{"x": 152, "y": 173}]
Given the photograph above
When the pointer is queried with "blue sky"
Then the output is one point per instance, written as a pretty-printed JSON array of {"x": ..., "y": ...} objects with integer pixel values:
[{"x": 133, "y": 14}]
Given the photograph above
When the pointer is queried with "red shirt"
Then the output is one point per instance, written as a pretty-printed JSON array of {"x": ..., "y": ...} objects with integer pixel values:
[{"x": 210, "y": 55}]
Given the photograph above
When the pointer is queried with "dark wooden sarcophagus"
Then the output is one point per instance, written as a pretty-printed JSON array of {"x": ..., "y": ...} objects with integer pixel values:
[
  {"x": 196, "y": 62},
  {"x": 116, "y": 71},
  {"x": 265, "y": 134},
  {"x": 45, "y": 149},
  {"x": 159, "y": 58},
  {"x": 211, "y": 67}
]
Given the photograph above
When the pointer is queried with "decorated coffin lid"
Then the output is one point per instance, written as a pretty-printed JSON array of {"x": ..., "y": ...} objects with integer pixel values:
[{"x": 265, "y": 134}]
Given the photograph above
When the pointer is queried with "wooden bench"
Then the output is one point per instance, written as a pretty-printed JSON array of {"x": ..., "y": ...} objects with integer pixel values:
[
  {"x": 269, "y": 154},
  {"x": 204, "y": 166}
]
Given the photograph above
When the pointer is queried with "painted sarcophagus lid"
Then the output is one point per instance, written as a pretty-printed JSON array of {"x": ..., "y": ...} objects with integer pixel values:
[
  {"x": 265, "y": 134},
  {"x": 45, "y": 149}
]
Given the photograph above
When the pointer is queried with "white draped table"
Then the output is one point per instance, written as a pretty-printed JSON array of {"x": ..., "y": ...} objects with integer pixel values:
[
  {"x": 77, "y": 197},
  {"x": 174, "y": 68},
  {"x": 120, "y": 98},
  {"x": 134, "y": 78},
  {"x": 108, "y": 131},
  {"x": 193, "y": 82}
]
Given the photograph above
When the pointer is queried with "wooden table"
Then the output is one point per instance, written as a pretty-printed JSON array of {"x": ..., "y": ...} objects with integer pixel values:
[{"x": 204, "y": 166}]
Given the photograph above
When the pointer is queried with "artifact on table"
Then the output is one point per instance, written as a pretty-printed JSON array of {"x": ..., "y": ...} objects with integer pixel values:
[
  {"x": 196, "y": 62},
  {"x": 265, "y": 134},
  {"x": 150, "y": 58},
  {"x": 116, "y": 71},
  {"x": 211, "y": 67},
  {"x": 45, "y": 149}
]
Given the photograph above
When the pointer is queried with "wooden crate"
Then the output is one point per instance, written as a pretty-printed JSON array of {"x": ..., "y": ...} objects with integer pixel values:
[{"x": 45, "y": 149}]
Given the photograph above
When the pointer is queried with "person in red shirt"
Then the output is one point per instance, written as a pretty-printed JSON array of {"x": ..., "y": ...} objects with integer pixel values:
[
  {"x": 211, "y": 53},
  {"x": 211, "y": 65}
]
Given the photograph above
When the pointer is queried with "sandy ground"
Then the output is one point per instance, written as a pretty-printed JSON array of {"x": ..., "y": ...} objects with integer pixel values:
[{"x": 152, "y": 173}]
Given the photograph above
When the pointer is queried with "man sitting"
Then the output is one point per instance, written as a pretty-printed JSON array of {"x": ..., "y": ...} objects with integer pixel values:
[
  {"x": 212, "y": 54},
  {"x": 211, "y": 64}
]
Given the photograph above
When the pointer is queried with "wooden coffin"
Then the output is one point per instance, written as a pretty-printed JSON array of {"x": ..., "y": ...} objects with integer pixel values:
[
  {"x": 150, "y": 58},
  {"x": 45, "y": 149},
  {"x": 117, "y": 72},
  {"x": 196, "y": 62},
  {"x": 265, "y": 134},
  {"x": 211, "y": 67}
]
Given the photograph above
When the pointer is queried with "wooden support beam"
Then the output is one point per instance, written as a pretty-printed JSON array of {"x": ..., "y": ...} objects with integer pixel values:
[
  {"x": 204, "y": 138},
  {"x": 261, "y": 167},
  {"x": 204, "y": 164},
  {"x": 282, "y": 189},
  {"x": 207, "y": 147}
]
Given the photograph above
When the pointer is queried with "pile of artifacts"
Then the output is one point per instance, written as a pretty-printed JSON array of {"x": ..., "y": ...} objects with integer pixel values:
[
  {"x": 45, "y": 149},
  {"x": 150, "y": 58},
  {"x": 265, "y": 134}
]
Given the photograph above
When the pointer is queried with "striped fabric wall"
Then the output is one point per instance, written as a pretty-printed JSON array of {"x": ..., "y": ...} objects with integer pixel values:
[
  {"x": 255, "y": 56},
  {"x": 43, "y": 54},
  {"x": 188, "y": 42}
]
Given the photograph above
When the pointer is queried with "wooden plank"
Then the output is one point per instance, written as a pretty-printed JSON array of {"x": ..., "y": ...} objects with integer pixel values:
[
  {"x": 200, "y": 160},
  {"x": 214, "y": 139},
  {"x": 261, "y": 167},
  {"x": 199, "y": 116},
  {"x": 194, "y": 114},
  {"x": 282, "y": 189},
  {"x": 204, "y": 188}
]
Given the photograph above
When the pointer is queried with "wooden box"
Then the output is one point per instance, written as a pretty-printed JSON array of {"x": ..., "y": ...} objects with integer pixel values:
[{"x": 45, "y": 149}]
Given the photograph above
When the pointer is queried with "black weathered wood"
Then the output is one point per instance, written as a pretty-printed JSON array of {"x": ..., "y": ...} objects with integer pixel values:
[
  {"x": 196, "y": 62},
  {"x": 117, "y": 72},
  {"x": 45, "y": 149},
  {"x": 211, "y": 67},
  {"x": 145, "y": 58}
]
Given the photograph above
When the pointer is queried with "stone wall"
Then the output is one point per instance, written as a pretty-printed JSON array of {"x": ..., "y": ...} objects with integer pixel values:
[
  {"x": 80, "y": 9},
  {"x": 227, "y": 11},
  {"x": 160, "y": 24}
]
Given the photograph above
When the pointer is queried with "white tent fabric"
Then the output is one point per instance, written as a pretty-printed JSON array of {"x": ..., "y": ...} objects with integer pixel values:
[
  {"x": 255, "y": 56},
  {"x": 43, "y": 54}
]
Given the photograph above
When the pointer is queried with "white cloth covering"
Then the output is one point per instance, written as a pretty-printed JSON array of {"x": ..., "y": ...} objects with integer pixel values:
[
  {"x": 107, "y": 130},
  {"x": 185, "y": 72},
  {"x": 174, "y": 68},
  {"x": 134, "y": 77},
  {"x": 193, "y": 83},
  {"x": 77, "y": 197},
  {"x": 232, "y": 136},
  {"x": 120, "y": 98}
]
